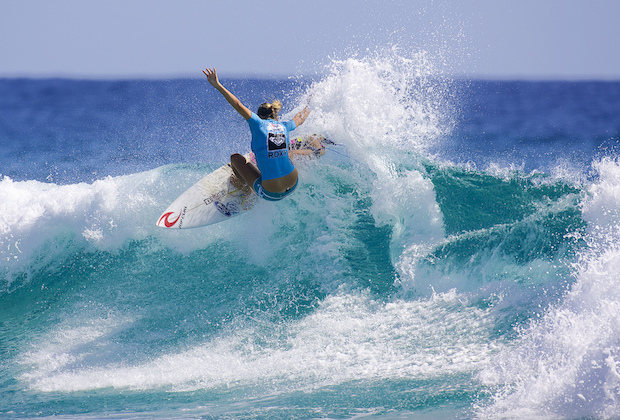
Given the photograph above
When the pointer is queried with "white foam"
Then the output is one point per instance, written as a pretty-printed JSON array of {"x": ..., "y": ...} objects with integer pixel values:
[
  {"x": 388, "y": 109},
  {"x": 408, "y": 203},
  {"x": 568, "y": 363},
  {"x": 349, "y": 337},
  {"x": 376, "y": 105},
  {"x": 40, "y": 223}
]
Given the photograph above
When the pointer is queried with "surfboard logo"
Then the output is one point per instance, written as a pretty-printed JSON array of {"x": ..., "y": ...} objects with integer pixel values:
[
  {"x": 227, "y": 210},
  {"x": 166, "y": 219}
]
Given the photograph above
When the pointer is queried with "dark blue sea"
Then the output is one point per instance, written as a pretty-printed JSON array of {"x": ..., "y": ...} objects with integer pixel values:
[{"x": 455, "y": 255}]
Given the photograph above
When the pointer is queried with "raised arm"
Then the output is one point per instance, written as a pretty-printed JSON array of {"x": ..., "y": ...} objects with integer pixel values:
[
  {"x": 301, "y": 116},
  {"x": 232, "y": 99}
]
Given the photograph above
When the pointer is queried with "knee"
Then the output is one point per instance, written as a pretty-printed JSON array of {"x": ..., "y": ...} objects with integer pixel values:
[{"x": 237, "y": 159}]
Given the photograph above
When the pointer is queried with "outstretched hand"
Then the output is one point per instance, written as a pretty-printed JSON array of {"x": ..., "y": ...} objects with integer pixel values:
[
  {"x": 232, "y": 99},
  {"x": 211, "y": 76}
]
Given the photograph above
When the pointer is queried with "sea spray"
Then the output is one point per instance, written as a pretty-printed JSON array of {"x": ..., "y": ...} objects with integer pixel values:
[
  {"x": 389, "y": 109},
  {"x": 334, "y": 303},
  {"x": 386, "y": 101},
  {"x": 567, "y": 363}
]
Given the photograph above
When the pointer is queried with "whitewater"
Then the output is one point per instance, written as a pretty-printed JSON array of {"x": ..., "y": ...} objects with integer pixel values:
[{"x": 454, "y": 255}]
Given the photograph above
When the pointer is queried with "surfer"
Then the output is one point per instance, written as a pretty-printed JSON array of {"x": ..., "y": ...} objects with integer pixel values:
[{"x": 276, "y": 176}]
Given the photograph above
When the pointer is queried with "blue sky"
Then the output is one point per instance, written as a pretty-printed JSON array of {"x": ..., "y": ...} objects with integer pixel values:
[{"x": 532, "y": 39}]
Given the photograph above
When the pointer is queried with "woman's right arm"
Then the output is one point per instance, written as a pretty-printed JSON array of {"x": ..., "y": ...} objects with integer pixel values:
[
  {"x": 301, "y": 116},
  {"x": 232, "y": 99}
]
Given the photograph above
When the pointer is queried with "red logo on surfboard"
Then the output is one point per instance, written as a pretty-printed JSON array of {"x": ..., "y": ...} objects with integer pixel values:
[{"x": 167, "y": 221}]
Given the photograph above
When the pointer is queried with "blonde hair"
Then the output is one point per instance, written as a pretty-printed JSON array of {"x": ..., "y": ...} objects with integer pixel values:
[{"x": 268, "y": 110}]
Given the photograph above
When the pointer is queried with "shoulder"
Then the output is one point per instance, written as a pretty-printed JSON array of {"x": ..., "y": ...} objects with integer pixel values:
[{"x": 254, "y": 119}]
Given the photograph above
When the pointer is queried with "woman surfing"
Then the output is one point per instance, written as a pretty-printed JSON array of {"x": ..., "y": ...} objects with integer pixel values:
[{"x": 276, "y": 176}]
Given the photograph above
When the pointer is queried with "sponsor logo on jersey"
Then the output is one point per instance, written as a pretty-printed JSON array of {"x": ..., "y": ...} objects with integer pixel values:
[
  {"x": 277, "y": 153},
  {"x": 275, "y": 128},
  {"x": 276, "y": 141},
  {"x": 276, "y": 145}
]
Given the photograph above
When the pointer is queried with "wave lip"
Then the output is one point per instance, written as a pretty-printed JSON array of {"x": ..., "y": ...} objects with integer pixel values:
[{"x": 41, "y": 224}]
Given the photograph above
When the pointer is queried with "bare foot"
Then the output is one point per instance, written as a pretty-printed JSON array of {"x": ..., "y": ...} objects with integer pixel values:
[{"x": 237, "y": 182}]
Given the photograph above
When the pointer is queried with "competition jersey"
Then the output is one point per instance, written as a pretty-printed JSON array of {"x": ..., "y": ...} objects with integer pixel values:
[{"x": 270, "y": 145}]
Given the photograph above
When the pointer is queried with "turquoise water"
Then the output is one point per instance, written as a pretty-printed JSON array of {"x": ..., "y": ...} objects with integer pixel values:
[{"x": 449, "y": 258}]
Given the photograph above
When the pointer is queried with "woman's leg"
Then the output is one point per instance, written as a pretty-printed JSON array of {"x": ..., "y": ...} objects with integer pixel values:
[{"x": 244, "y": 169}]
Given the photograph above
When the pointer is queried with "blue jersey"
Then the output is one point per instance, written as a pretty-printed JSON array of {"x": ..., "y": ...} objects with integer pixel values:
[{"x": 270, "y": 146}]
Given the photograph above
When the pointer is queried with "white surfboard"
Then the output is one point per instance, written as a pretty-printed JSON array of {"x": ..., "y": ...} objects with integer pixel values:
[
  {"x": 211, "y": 200},
  {"x": 214, "y": 198}
]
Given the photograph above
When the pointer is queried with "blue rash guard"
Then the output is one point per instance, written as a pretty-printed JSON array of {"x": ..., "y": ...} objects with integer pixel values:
[{"x": 270, "y": 146}]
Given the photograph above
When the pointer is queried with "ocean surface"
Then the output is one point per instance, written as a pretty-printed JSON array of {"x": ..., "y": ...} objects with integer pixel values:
[{"x": 456, "y": 254}]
